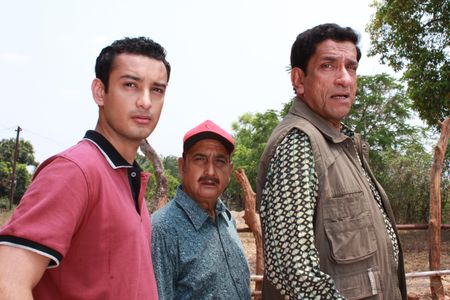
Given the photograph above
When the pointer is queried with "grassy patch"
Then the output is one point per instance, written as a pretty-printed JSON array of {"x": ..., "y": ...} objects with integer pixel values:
[{"x": 4, "y": 216}]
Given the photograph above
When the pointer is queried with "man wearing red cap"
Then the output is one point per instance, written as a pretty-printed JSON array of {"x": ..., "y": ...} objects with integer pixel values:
[{"x": 196, "y": 250}]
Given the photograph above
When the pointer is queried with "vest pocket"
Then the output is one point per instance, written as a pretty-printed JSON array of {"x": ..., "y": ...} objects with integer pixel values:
[
  {"x": 359, "y": 285},
  {"x": 351, "y": 240}
]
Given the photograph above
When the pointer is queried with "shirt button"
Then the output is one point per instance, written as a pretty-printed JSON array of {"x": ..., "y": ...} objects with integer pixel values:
[{"x": 133, "y": 174}]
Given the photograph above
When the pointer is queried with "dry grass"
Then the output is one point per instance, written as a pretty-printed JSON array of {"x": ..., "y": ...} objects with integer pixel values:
[{"x": 415, "y": 245}]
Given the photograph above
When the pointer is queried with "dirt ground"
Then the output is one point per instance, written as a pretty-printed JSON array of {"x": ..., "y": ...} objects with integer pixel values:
[{"x": 415, "y": 246}]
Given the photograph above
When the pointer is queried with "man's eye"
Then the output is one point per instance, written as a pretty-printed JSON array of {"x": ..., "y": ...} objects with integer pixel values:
[
  {"x": 352, "y": 67},
  {"x": 327, "y": 66},
  {"x": 222, "y": 161},
  {"x": 130, "y": 84},
  {"x": 159, "y": 90}
]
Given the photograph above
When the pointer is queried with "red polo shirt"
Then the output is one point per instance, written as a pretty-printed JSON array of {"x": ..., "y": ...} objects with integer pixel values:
[{"x": 79, "y": 211}]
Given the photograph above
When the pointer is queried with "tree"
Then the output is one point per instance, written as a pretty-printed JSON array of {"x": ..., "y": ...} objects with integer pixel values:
[
  {"x": 170, "y": 166},
  {"x": 405, "y": 177},
  {"x": 413, "y": 36},
  {"x": 251, "y": 134},
  {"x": 26, "y": 152},
  {"x": 23, "y": 180},
  {"x": 381, "y": 114},
  {"x": 170, "y": 163},
  {"x": 25, "y": 159},
  {"x": 171, "y": 171}
]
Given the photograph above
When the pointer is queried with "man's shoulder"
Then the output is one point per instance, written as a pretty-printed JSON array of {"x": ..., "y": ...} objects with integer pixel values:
[
  {"x": 80, "y": 155},
  {"x": 167, "y": 216},
  {"x": 83, "y": 151}
]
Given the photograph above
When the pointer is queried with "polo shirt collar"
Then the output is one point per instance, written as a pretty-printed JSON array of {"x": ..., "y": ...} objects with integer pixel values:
[
  {"x": 107, "y": 149},
  {"x": 195, "y": 213}
]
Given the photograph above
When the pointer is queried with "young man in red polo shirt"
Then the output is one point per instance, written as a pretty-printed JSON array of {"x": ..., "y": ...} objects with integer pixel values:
[{"x": 82, "y": 229}]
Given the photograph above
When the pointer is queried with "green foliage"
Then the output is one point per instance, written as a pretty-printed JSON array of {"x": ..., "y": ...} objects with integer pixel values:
[
  {"x": 25, "y": 154},
  {"x": 4, "y": 204},
  {"x": 5, "y": 176},
  {"x": 405, "y": 177},
  {"x": 23, "y": 180},
  {"x": 25, "y": 158},
  {"x": 170, "y": 165},
  {"x": 171, "y": 171},
  {"x": 381, "y": 113},
  {"x": 172, "y": 182},
  {"x": 413, "y": 36},
  {"x": 251, "y": 134}
]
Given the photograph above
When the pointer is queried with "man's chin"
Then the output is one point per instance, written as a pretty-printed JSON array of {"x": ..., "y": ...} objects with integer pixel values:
[
  {"x": 210, "y": 192},
  {"x": 142, "y": 134}
]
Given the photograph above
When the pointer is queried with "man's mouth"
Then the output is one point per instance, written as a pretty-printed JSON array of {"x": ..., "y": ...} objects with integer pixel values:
[
  {"x": 340, "y": 97},
  {"x": 142, "y": 119}
]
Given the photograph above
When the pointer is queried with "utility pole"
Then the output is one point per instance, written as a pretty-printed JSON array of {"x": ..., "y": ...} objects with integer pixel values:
[{"x": 13, "y": 175}]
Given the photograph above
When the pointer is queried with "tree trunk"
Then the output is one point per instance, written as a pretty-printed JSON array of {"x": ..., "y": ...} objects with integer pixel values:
[
  {"x": 437, "y": 290},
  {"x": 252, "y": 220},
  {"x": 160, "y": 197}
]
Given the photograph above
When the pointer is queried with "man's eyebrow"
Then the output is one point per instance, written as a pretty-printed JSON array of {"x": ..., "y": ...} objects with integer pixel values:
[
  {"x": 329, "y": 58},
  {"x": 135, "y": 78},
  {"x": 334, "y": 58},
  {"x": 160, "y": 84},
  {"x": 127, "y": 76}
]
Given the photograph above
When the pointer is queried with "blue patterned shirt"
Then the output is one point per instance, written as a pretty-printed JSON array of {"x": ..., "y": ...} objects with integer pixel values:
[{"x": 195, "y": 257}]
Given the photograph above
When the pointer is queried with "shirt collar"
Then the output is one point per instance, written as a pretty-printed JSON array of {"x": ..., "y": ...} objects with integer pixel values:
[
  {"x": 107, "y": 149},
  {"x": 195, "y": 213},
  {"x": 299, "y": 108}
]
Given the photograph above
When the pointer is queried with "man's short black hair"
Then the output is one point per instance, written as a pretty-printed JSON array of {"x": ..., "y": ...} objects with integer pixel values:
[
  {"x": 140, "y": 46},
  {"x": 306, "y": 42}
]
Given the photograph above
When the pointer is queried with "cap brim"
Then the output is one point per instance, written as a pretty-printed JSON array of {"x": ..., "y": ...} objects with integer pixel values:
[{"x": 207, "y": 135}]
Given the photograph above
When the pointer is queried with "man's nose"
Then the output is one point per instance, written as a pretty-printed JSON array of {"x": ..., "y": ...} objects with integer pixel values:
[
  {"x": 145, "y": 100},
  {"x": 209, "y": 168},
  {"x": 344, "y": 78}
]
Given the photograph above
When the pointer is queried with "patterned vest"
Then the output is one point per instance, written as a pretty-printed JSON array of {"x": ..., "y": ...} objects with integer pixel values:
[{"x": 350, "y": 234}]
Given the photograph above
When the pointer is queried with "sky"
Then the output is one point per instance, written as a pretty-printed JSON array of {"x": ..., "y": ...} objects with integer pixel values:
[{"x": 228, "y": 58}]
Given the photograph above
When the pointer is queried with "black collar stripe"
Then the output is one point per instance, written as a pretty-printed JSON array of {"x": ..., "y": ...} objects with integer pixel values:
[{"x": 112, "y": 156}]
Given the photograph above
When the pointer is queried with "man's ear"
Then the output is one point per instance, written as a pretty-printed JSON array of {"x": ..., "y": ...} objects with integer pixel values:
[
  {"x": 180, "y": 167},
  {"x": 297, "y": 80},
  {"x": 98, "y": 91}
]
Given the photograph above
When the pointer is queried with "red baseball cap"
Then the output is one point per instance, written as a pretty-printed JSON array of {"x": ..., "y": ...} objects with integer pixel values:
[{"x": 208, "y": 130}]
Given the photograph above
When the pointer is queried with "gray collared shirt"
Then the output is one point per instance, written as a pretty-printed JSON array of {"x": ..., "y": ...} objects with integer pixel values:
[{"x": 195, "y": 257}]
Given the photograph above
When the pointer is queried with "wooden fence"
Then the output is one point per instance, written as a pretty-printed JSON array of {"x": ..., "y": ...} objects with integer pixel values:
[{"x": 256, "y": 293}]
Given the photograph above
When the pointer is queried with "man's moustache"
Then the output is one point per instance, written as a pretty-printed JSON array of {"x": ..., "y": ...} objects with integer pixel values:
[{"x": 209, "y": 179}]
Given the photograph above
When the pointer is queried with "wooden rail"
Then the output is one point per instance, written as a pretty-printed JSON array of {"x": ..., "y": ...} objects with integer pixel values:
[
  {"x": 399, "y": 227},
  {"x": 258, "y": 278},
  {"x": 419, "y": 226},
  {"x": 427, "y": 273}
]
